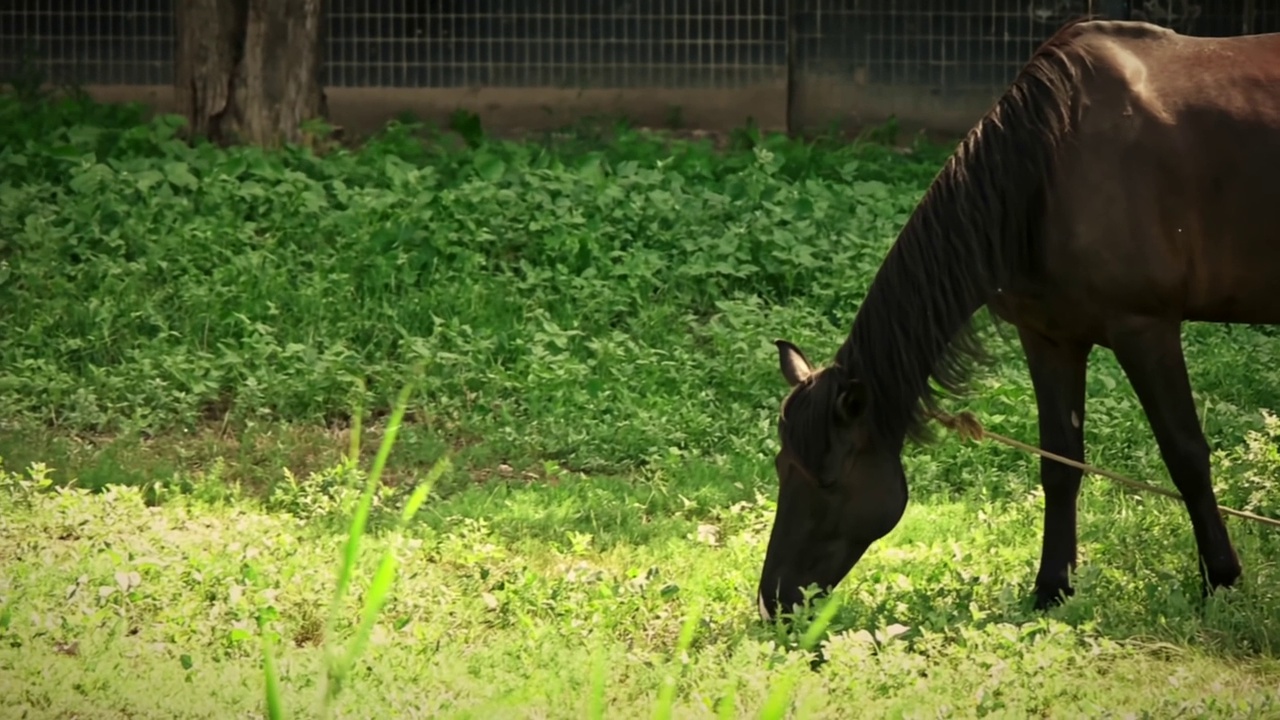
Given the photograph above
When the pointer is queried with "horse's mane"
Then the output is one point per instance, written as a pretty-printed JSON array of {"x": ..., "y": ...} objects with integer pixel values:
[{"x": 977, "y": 224}]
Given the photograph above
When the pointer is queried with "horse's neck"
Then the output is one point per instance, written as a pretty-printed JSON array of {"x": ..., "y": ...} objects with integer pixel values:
[{"x": 915, "y": 325}]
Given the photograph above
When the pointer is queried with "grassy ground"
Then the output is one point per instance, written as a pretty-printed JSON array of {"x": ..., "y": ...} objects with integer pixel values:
[{"x": 186, "y": 330}]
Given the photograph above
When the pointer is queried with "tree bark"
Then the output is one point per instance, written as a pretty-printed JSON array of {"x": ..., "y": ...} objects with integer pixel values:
[{"x": 249, "y": 70}]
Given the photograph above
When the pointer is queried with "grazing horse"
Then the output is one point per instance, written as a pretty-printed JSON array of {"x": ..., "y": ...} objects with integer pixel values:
[{"x": 1125, "y": 182}]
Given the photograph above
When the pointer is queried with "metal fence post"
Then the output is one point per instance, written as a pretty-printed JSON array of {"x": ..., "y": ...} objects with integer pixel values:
[{"x": 789, "y": 25}]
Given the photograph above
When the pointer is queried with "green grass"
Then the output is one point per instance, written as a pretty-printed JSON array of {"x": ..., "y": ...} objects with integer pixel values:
[{"x": 187, "y": 329}]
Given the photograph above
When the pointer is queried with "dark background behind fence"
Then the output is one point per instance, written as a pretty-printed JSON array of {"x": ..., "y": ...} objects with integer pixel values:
[{"x": 943, "y": 45}]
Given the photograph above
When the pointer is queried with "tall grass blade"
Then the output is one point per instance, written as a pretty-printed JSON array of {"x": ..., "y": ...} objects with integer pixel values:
[
  {"x": 595, "y": 711},
  {"x": 275, "y": 706},
  {"x": 667, "y": 694},
  {"x": 380, "y": 588},
  {"x": 351, "y": 550}
]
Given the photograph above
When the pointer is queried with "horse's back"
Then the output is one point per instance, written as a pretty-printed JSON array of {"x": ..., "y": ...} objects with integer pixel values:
[
  {"x": 1169, "y": 191},
  {"x": 1180, "y": 79}
]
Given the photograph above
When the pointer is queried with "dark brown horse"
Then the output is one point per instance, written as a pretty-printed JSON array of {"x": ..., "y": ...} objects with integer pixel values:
[{"x": 1124, "y": 183}]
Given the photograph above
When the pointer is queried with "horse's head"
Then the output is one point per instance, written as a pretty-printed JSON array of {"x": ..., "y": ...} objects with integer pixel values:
[{"x": 840, "y": 487}]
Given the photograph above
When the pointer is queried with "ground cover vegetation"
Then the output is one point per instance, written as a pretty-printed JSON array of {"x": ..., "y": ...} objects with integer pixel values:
[{"x": 585, "y": 324}]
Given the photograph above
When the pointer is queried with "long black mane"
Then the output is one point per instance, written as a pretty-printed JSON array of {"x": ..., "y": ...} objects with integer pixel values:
[{"x": 976, "y": 227}]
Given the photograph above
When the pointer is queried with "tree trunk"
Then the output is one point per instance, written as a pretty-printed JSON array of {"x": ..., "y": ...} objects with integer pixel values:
[{"x": 249, "y": 70}]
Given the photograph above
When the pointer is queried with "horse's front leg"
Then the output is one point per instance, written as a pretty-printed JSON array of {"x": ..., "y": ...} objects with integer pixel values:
[{"x": 1058, "y": 377}]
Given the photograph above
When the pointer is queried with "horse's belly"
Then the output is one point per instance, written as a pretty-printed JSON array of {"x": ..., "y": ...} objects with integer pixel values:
[{"x": 1237, "y": 295}]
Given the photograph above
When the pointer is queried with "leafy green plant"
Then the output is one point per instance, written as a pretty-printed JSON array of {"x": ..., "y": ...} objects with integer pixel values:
[{"x": 184, "y": 325}]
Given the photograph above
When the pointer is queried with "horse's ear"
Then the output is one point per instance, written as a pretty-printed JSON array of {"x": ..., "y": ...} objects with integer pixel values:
[
  {"x": 852, "y": 400},
  {"x": 795, "y": 368}
]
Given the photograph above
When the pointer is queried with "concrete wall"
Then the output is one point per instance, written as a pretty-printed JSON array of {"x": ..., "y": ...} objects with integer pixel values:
[
  {"x": 512, "y": 110},
  {"x": 821, "y": 101},
  {"x": 816, "y": 105}
]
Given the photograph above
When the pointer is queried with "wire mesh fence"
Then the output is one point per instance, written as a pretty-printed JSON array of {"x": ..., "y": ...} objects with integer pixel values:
[
  {"x": 941, "y": 44},
  {"x": 103, "y": 42},
  {"x": 1209, "y": 18},
  {"x": 557, "y": 43},
  {"x": 945, "y": 44},
  {"x": 441, "y": 43}
]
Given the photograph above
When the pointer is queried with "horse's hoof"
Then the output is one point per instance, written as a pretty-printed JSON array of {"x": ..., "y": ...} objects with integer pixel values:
[{"x": 1051, "y": 596}]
